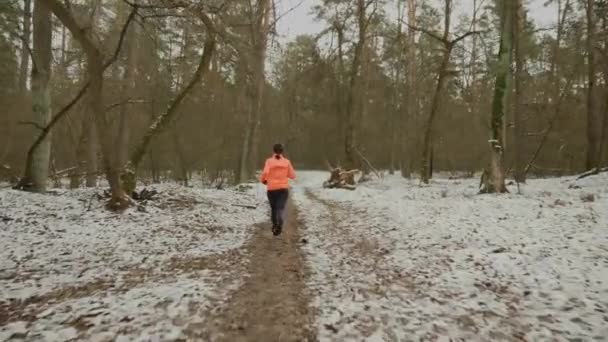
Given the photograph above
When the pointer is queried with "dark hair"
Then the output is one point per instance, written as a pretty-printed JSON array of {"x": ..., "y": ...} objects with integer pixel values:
[{"x": 278, "y": 149}]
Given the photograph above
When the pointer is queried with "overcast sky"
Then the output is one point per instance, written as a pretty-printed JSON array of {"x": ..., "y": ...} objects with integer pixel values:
[{"x": 300, "y": 21}]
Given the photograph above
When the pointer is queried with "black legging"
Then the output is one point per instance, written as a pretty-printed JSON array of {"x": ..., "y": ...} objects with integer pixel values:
[{"x": 278, "y": 201}]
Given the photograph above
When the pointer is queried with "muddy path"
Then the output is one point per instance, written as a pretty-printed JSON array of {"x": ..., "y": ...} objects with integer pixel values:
[{"x": 273, "y": 302}]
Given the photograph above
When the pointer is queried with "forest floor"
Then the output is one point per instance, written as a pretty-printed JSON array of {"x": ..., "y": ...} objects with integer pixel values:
[{"x": 390, "y": 261}]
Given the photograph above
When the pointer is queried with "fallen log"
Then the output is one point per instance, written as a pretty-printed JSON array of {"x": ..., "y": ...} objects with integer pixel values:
[
  {"x": 592, "y": 172},
  {"x": 341, "y": 179}
]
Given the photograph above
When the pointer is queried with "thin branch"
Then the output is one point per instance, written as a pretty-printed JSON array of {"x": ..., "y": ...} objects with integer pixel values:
[
  {"x": 464, "y": 36},
  {"x": 429, "y": 33},
  {"x": 126, "y": 102},
  {"x": 121, "y": 39},
  {"x": 279, "y": 17},
  {"x": 32, "y": 123}
]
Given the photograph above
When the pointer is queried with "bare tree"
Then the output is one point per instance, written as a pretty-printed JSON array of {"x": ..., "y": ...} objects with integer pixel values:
[
  {"x": 350, "y": 142},
  {"x": 494, "y": 177},
  {"x": 95, "y": 68},
  {"x": 442, "y": 75},
  {"x": 260, "y": 31}
]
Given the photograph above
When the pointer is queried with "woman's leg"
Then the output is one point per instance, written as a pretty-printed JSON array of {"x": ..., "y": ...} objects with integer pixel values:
[
  {"x": 272, "y": 199},
  {"x": 283, "y": 196}
]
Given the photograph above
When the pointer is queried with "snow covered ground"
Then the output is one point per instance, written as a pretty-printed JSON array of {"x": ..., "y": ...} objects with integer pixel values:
[
  {"x": 70, "y": 269},
  {"x": 393, "y": 261},
  {"x": 390, "y": 261}
]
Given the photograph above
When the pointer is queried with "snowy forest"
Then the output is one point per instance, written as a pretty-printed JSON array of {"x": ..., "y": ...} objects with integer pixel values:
[
  {"x": 132, "y": 133},
  {"x": 179, "y": 87}
]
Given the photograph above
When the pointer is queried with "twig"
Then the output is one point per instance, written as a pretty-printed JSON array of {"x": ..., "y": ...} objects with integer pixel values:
[
  {"x": 248, "y": 206},
  {"x": 122, "y": 103},
  {"x": 368, "y": 163},
  {"x": 31, "y": 123}
]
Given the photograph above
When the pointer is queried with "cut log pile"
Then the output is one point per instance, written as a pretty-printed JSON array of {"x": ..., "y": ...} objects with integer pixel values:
[{"x": 341, "y": 179}]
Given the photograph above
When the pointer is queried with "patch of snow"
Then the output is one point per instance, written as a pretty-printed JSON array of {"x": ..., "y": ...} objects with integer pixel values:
[
  {"x": 75, "y": 270},
  {"x": 393, "y": 260}
]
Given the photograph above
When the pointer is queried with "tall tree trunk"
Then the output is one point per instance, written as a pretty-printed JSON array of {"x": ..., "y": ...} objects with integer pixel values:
[
  {"x": 593, "y": 119},
  {"x": 38, "y": 165},
  {"x": 256, "y": 107},
  {"x": 427, "y": 147},
  {"x": 91, "y": 141},
  {"x": 256, "y": 64},
  {"x": 410, "y": 109},
  {"x": 350, "y": 142},
  {"x": 604, "y": 134},
  {"x": 25, "y": 46},
  {"x": 180, "y": 158},
  {"x": 518, "y": 13},
  {"x": 426, "y": 170},
  {"x": 341, "y": 84},
  {"x": 95, "y": 69},
  {"x": 495, "y": 180},
  {"x": 411, "y": 98},
  {"x": 245, "y": 105},
  {"x": 129, "y": 77}
]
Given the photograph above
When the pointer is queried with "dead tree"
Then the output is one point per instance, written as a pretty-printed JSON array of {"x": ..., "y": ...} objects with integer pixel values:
[{"x": 448, "y": 46}]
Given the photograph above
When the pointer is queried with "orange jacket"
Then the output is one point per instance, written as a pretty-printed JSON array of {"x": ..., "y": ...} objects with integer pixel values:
[{"x": 277, "y": 172}]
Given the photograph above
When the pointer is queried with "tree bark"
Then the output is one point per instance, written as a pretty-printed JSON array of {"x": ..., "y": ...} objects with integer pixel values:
[
  {"x": 25, "y": 42},
  {"x": 425, "y": 171},
  {"x": 255, "y": 63},
  {"x": 593, "y": 119},
  {"x": 427, "y": 148},
  {"x": 518, "y": 13},
  {"x": 38, "y": 165},
  {"x": 130, "y": 74},
  {"x": 411, "y": 97},
  {"x": 350, "y": 141},
  {"x": 495, "y": 181},
  {"x": 91, "y": 142}
]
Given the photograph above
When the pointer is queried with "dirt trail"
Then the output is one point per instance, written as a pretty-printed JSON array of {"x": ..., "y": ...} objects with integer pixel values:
[{"x": 273, "y": 303}]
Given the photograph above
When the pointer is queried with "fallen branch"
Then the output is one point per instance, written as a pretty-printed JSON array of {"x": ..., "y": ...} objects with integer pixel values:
[
  {"x": 342, "y": 179},
  {"x": 593, "y": 172},
  {"x": 368, "y": 163}
]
